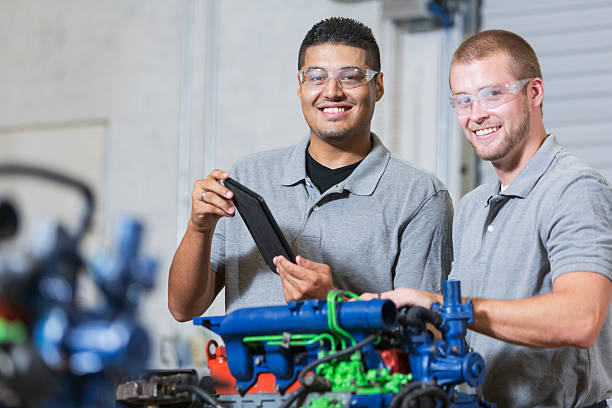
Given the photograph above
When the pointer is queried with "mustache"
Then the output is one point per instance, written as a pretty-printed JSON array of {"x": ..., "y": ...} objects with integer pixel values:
[{"x": 325, "y": 100}]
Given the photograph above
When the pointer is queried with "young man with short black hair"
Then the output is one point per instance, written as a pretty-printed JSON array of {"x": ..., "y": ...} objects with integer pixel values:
[{"x": 359, "y": 218}]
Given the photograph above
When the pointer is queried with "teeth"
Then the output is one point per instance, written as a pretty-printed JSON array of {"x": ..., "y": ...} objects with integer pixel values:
[
  {"x": 482, "y": 132},
  {"x": 333, "y": 110}
]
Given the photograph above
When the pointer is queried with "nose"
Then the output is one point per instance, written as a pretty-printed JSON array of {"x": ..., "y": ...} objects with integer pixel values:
[
  {"x": 477, "y": 113},
  {"x": 333, "y": 90}
]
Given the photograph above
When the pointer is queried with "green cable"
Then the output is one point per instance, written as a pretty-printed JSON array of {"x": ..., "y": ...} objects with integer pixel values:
[
  {"x": 351, "y": 294},
  {"x": 276, "y": 340},
  {"x": 273, "y": 337},
  {"x": 331, "y": 313},
  {"x": 331, "y": 340},
  {"x": 356, "y": 297},
  {"x": 332, "y": 318}
]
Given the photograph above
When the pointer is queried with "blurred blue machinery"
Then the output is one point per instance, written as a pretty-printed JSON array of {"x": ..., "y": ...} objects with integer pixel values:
[{"x": 54, "y": 352}]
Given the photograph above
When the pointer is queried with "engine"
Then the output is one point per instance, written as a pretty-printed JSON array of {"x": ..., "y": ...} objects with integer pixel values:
[{"x": 345, "y": 352}]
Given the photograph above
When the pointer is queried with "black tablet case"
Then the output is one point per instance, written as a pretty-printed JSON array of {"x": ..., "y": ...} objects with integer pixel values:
[{"x": 261, "y": 224}]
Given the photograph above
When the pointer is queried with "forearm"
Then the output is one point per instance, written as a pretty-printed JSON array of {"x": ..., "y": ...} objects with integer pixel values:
[
  {"x": 191, "y": 283},
  {"x": 550, "y": 320},
  {"x": 545, "y": 321}
]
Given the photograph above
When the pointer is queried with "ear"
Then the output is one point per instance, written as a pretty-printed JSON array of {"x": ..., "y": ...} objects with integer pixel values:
[
  {"x": 380, "y": 87},
  {"x": 299, "y": 88},
  {"x": 535, "y": 92}
]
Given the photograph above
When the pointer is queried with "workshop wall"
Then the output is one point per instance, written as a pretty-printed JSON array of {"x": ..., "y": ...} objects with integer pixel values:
[{"x": 573, "y": 40}]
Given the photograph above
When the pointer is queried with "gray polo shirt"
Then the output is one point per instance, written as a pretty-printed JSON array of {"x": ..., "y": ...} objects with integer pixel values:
[
  {"x": 554, "y": 218},
  {"x": 386, "y": 225}
]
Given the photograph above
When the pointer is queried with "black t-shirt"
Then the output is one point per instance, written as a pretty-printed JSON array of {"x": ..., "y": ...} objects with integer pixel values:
[{"x": 324, "y": 177}]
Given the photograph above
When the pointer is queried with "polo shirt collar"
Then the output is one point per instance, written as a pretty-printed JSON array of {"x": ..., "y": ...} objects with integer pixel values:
[
  {"x": 362, "y": 181},
  {"x": 526, "y": 180},
  {"x": 295, "y": 169}
]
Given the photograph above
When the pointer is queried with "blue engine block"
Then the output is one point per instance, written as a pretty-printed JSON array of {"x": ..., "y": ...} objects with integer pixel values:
[{"x": 311, "y": 336}]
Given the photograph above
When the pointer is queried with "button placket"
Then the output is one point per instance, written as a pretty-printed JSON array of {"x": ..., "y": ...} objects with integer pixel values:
[{"x": 495, "y": 205}]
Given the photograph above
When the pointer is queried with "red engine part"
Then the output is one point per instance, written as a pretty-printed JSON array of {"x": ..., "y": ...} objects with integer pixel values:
[
  {"x": 397, "y": 361},
  {"x": 219, "y": 370}
]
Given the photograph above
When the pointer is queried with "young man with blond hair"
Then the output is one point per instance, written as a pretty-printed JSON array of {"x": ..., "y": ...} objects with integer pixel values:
[{"x": 533, "y": 248}]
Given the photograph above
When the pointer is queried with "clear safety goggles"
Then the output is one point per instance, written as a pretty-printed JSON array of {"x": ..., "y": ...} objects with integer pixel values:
[
  {"x": 489, "y": 97},
  {"x": 352, "y": 77}
]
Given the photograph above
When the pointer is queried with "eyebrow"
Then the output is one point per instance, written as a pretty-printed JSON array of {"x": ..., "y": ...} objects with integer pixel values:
[
  {"x": 479, "y": 89},
  {"x": 347, "y": 67}
]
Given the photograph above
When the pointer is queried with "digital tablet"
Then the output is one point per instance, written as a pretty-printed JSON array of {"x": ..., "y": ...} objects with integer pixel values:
[{"x": 261, "y": 224}]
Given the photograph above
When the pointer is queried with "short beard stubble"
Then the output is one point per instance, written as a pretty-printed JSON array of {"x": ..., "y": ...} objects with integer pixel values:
[{"x": 509, "y": 143}]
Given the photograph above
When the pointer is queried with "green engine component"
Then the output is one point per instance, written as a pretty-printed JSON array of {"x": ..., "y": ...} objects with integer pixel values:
[
  {"x": 350, "y": 376},
  {"x": 324, "y": 402}
]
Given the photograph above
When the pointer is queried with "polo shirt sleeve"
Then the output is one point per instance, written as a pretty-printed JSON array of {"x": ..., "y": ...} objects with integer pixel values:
[
  {"x": 579, "y": 227},
  {"x": 217, "y": 252},
  {"x": 426, "y": 249}
]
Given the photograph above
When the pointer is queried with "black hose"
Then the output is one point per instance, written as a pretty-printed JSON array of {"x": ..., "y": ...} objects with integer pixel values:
[
  {"x": 293, "y": 396},
  {"x": 417, "y": 316},
  {"x": 306, "y": 386},
  {"x": 396, "y": 402},
  {"x": 63, "y": 179},
  {"x": 200, "y": 393},
  {"x": 436, "y": 393}
]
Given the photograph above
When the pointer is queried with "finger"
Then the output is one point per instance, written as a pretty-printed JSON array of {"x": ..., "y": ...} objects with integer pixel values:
[
  {"x": 201, "y": 210},
  {"x": 286, "y": 294},
  {"x": 281, "y": 262},
  {"x": 308, "y": 264},
  {"x": 299, "y": 272},
  {"x": 288, "y": 289},
  {"x": 397, "y": 298},
  {"x": 212, "y": 182},
  {"x": 389, "y": 294},
  {"x": 279, "y": 267},
  {"x": 210, "y": 198},
  {"x": 291, "y": 289},
  {"x": 296, "y": 287},
  {"x": 369, "y": 296},
  {"x": 289, "y": 279},
  {"x": 290, "y": 286},
  {"x": 408, "y": 297},
  {"x": 219, "y": 174}
]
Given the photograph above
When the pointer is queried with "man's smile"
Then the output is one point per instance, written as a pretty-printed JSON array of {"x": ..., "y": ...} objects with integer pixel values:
[
  {"x": 484, "y": 133},
  {"x": 334, "y": 110}
]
